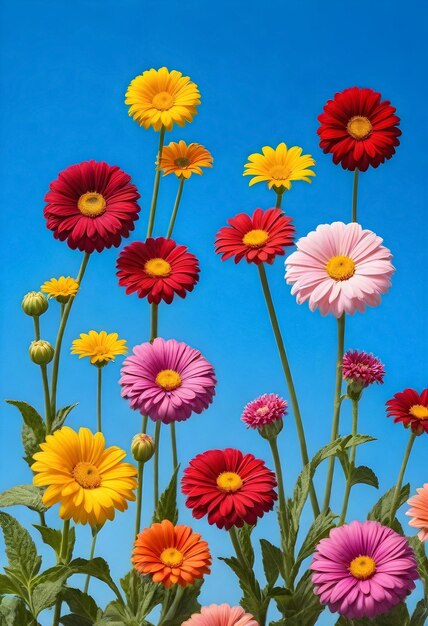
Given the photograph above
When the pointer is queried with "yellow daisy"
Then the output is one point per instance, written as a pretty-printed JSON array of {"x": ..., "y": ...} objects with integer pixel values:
[
  {"x": 87, "y": 478},
  {"x": 99, "y": 347},
  {"x": 162, "y": 98},
  {"x": 62, "y": 288},
  {"x": 279, "y": 166},
  {"x": 184, "y": 160}
]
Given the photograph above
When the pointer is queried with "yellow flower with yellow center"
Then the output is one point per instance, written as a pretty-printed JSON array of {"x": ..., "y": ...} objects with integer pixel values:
[
  {"x": 89, "y": 480},
  {"x": 61, "y": 289},
  {"x": 99, "y": 347},
  {"x": 184, "y": 160},
  {"x": 279, "y": 166},
  {"x": 162, "y": 98}
]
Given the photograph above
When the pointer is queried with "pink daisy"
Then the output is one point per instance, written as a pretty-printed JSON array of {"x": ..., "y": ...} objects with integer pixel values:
[
  {"x": 221, "y": 615},
  {"x": 362, "y": 368},
  {"x": 340, "y": 268},
  {"x": 265, "y": 410},
  {"x": 363, "y": 569},
  {"x": 419, "y": 512},
  {"x": 167, "y": 380}
]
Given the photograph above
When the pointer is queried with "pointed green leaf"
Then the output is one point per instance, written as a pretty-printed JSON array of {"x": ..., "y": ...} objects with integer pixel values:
[
  {"x": 9, "y": 585},
  {"x": 244, "y": 535},
  {"x": 273, "y": 562},
  {"x": 26, "y": 495},
  {"x": 44, "y": 595},
  {"x": 33, "y": 429},
  {"x": 81, "y": 604},
  {"x": 20, "y": 549},
  {"x": 364, "y": 475},
  {"x": 420, "y": 614},
  {"x": 382, "y": 509},
  {"x": 61, "y": 416},
  {"x": 98, "y": 568},
  {"x": 13, "y": 612},
  {"x": 167, "y": 506},
  {"x": 319, "y": 529},
  {"x": 141, "y": 593}
]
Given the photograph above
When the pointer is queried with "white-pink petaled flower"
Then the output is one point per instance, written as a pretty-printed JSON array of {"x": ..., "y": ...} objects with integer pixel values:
[
  {"x": 266, "y": 409},
  {"x": 221, "y": 615},
  {"x": 339, "y": 268}
]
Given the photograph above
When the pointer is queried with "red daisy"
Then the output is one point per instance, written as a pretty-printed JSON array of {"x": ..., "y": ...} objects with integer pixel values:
[
  {"x": 158, "y": 269},
  {"x": 92, "y": 205},
  {"x": 410, "y": 408},
  {"x": 259, "y": 238},
  {"x": 230, "y": 487},
  {"x": 358, "y": 129}
]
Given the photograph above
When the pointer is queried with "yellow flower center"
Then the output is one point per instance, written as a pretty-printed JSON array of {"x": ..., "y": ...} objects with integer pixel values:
[
  {"x": 362, "y": 567},
  {"x": 91, "y": 204},
  {"x": 168, "y": 379},
  {"x": 419, "y": 411},
  {"x": 229, "y": 481},
  {"x": 340, "y": 267},
  {"x": 163, "y": 101},
  {"x": 87, "y": 475},
  {"x": 359, "y": 127},
  {"x": 255, "y": 238},
  {"x": 157, "y": 267},
  {"x": 171, "y": 557},
  {"x": 279, "y": 172},
  {"x": 182, "y": 162}
]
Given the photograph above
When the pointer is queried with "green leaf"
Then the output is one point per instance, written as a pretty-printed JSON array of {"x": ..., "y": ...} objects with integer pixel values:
[
  {"x": 116, "y": 614},
  {"x": 33, "y": 429},
  {"x": 420, "y": 614},
  {"x": 8, "y": 585},
  {"x": 20, "y": 549},
  {"x": 358, "y": 440},
  {"x": 244, "y": 535},
  {"x": 141, "y": 593},
  {"x": 301, "y": 608},
  {"x": 421, "y": 558},
  {"x": 13, "y": 612},
  {"x": 61, "y": 416},
  {"x": 320, "y": 528},
  {"x": 273, "y": 562},
  {"x": 26, "y": 495},
  {"x": 97, "y": 568},
  {"x": 73, "y": 619},
  {"x": 53, "y": 537},
  {"x": 254, "y": 599},
  {"x": 382, "y": 509},
  {"x": 81, "y": 604},
  {"x": 167, "y": 506},
  {"x": 398, "y": 616},
  {"x": 364, "y": 475},
  {"x": 45, "y": 594},
  {"x": 187, "y": 606}
]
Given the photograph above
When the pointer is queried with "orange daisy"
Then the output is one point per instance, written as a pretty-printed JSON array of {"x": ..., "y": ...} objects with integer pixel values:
[
  {"x": 184, "y": 160},
  {"x": 171, "y": 554}
]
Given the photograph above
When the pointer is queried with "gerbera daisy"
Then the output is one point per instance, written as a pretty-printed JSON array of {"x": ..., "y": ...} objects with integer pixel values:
[
  {"x": 258, "y": 238},
  {"x": 363, "y": 569},
  {"x": 157, "y": 269},
  {"x": 171, "y": 555},
  {"x": 279, "y": 166},
  {"x": 410, "y": 408},
  {"x": 362, "y": 369},
  {"x": 92, "y": 205},
  {"x": 221, "y": 615},
  {"x": 265, "y": 410},
  {"x": 167, "y": 380},
  {"x": 101, "y": 347},
  {"x": 184, "y": 160},
  {"x": 419, "y": 512},
  {"x": 87, "y": 478},
  {"x": 162, "y": 98},
  {"x": 358, "y": 129},
  {"x": 61, "y": 289},
  {"x": 231, "y": 488},
  {"x": 339, "y": 268}
]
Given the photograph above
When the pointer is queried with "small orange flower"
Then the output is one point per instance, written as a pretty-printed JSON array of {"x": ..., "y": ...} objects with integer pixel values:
[
  {"x": 184, "y": 160},
  {"x": 171, "y": 554}
]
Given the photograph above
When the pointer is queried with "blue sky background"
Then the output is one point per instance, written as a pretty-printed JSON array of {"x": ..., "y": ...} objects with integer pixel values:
[{"x": 265, "y": 71}]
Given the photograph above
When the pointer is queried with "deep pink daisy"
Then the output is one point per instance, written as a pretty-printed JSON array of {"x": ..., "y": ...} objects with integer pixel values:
[
  {"x": 167, "y": 380},
  {"x": 265, "y": 410},
  {"x": 410, "y": 408},
  {"x": 221, "y": 615},
  {"x": 362, "y": 368},
  {"x": 363, "y": 569}
]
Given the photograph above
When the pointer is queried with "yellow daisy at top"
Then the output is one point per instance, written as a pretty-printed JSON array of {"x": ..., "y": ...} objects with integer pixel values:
[
  {"x": 62, "y": 288},
  {"x": 88, "y": 479},
  {"x": 184, "y": 160},
  {"x": 162, "y": 98},
  {"x": 279, "y": 166},
  {"x": 99, "y": 347}
]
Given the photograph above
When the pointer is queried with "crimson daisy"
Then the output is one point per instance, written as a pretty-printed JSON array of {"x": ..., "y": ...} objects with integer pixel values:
[
  {"x": 410, "y": 408},
  {"x": 158, "y": 269},
  {"x": 259, "y": 238},
  {"x": 359, "y": 129},
  {"x": 230, "y": 487},
  {"x": 91, "y": 205}
]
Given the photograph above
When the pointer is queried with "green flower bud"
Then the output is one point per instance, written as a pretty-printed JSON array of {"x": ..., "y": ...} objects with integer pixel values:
[
  {"x": 34, "y": 303},
  {"x": 41, "y": 352},
  {"x": 142, "y": 447},
  {"x": 272, "y": 430},
  {"x": 355, "y": 390}
]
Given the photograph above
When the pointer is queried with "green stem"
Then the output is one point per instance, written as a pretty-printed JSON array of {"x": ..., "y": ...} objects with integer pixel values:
[
  {"x": 99, "y": 395},
  {"x": 139, "y": 498},
  {"x": 156, "y": 184},
  {"x": 60, "y": 335},
  {"x": 351, "y": 463},
  {"x": 399, "y": 484},
  {"x": 289, "y": 380},
  {"x": 175, "y": 209},
  {"x": 62, "y": 559},
  {"x": 237, "y": 547},
  {"x": 336, "y": 409},
  {"x": 278, "y": 200},
  {"x": 174, "y": 606},
  {"x": 49, "y": 418},
  {"x": 355, "y": 195},
  {"x": 174, "y": 446},
  {"x": 156, "y": 464},
  {"x": 91, "y": 556},
  {"x": 282, "y": 504},
  {"x": 36, "y": 328},
  {"x": 42, "y": 518},
  {"x": 153, "y": 322},
  {"x": 144, "y": 423}
]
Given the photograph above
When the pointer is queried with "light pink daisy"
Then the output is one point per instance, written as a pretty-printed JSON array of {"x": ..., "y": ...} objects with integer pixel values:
[
  {"x": 363, "y": 569},
  {"x": 362, "y": 368},
  {"x": 221, "y": 615},
  {"x": 339, "y": 268},
  {"x": 266, "y": 409},
  {"x": 419, "y": 512},
  {"x": 167, "y": 380}
]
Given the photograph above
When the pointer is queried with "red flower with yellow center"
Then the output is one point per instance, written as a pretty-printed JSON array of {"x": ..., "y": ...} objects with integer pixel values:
[{"x": 410, "y": 408}]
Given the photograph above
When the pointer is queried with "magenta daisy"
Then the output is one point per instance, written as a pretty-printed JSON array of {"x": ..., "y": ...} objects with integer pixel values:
[
  {"x": 340, "y": 268},
  {"x": 363, "y": 569},
  {"x": 362, "y": 369},
  {"x": 264, "y": 410},
  {"x": 167, "y": 380}
]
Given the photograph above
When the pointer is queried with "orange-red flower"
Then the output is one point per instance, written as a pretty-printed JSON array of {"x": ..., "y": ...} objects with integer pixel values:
[
  {"x": 419, "y": 512},
  {"x": 410, "y": 408},
  {"x": 184, "y": 160}
]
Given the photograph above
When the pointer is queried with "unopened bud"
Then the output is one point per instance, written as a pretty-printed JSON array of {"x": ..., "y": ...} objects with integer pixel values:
[
  {"x": 34, "y": 303},
  {"x": 142, "y": 447},
  {"x": 272, "y": 430},
  {"x": 41, "y": 352}
]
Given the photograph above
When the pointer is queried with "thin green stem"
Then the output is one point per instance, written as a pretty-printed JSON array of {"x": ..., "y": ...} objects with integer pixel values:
[
  {"x": 62, "y": 559},
  {"x": 36, "y": 328},
  {"x": 156, "y": 184},
  {"x": 336, "y": 408},
  {"x": 237, "y": 547},
  {"x": 156, "y": 464},
  {"x": 49, "y": 418},
  {"x": 355, "y": 195},
  {"x": 144, "y": 423},
  {"x": 174, "y": 606},
  {"x": 42, "y": 518},
  {"x": 153, "y": 322},
  {"x": 289, "y": 380},
  {"x": 99, "y": 396},
  {"x": 175, "y": 209},
  {"x": 139, "y": 498},
  {"x": 91, "y": 556},
  {"x": 351, "y": 463},
  {"x": 281, "y": 505},
  {"x": 174, "y": 446},
  {"x": 278, "y": 200},
  {"x": 399, "y": 483}
]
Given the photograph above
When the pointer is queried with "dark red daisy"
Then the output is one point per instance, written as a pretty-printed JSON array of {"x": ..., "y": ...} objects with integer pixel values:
[
  {"x": 91, "y": 205},
  {"x": 229, "y": 487},
  {"x": 157, "y": 269},
  {"x": 358, "y": 129},
  {"x": 410, "y": 408},
  {"x": 259, "y": 238}
]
